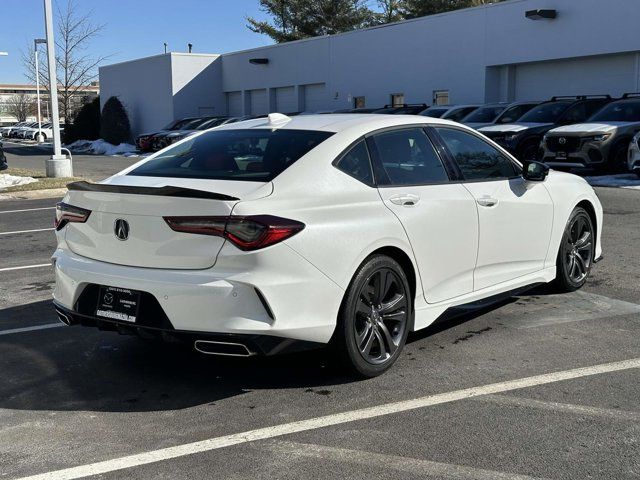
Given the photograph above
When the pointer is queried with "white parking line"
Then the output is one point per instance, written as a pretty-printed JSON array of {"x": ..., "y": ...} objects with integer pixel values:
[
  {"x": 31, "y": 329},
  {"x": 584, "y": 410},
  {"x": 17, "y": 232},
  {"x": 27, "y": 210},
  {"x": 326, "y": 421},
  {"x": 40, "y": 265},
  {"x": 382, "y": 461}
]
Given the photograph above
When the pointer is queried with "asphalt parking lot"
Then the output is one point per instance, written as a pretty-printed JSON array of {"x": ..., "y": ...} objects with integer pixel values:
[{"x": 540, "y": 386}]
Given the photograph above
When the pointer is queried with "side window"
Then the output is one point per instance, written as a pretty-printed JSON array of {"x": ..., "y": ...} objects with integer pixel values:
[
  {"x": 476, "y": 158},
  {"x": 408, "y": 158},
  {"x": 357, "y": 164}
]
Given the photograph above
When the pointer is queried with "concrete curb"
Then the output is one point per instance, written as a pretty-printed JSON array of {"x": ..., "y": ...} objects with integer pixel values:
[{"x": 33, "y": 194}]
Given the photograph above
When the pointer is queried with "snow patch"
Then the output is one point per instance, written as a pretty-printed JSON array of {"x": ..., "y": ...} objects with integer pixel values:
[
  {"x": 100, "y": 147},
  {"x": 7, "y": 180},
  {"x": 624, "y": 180}
]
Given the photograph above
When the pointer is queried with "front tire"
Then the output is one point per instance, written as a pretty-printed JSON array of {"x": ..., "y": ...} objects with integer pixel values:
[
  {"x": 375, "y": 318},
  {"x": 575, "y": 257}
]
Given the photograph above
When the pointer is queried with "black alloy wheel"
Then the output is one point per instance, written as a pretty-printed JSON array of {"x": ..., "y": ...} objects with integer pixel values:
[
  {"x": 375, "y": 317},
  {"x": 575, "y": 257}
]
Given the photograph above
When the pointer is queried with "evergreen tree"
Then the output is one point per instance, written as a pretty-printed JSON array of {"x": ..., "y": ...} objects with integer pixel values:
[
  {"x": 114, "y": 122},
  {"x": 86, "y": 123}
]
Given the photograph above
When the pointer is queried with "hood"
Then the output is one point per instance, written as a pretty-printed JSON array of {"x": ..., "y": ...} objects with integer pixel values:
[
  {"x": 477, "y": 125},
  {"x": 513, "y": 127},
  {"x": 593, "y": 127}
]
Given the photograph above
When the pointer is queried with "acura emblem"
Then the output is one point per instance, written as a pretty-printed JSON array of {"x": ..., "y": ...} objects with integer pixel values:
[
  {"x": 562, "y": 140},
  {"x": 121, "y": 229}
]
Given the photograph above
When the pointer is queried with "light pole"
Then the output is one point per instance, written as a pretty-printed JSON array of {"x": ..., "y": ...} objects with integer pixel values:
[
  {"x": 36, "y": 42},
  {"x": 58, "y": 165}
]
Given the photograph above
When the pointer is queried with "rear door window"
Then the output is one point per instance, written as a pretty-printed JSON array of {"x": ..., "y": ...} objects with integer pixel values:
[
  {"x": 356, "y": 163},
  {"x": 257, "y": 155},
  {"x": 407, "y": 157}
]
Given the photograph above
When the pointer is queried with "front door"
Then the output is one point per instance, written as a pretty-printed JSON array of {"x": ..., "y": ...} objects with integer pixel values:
[
  {"x": 515, "y": 215},
  {"x": 440, "y": 217}
]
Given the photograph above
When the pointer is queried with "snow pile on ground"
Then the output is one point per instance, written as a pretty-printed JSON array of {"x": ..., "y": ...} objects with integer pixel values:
[
  {"x": 7, "y": 180},
  {"x": 100, "y": 147},
  {"x": 624, "y": 180}
]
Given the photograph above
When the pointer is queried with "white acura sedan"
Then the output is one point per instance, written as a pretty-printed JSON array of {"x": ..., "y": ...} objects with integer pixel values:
[{"x": 350, "y": 230}]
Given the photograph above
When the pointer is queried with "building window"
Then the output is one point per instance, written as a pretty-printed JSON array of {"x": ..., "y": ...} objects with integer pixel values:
[
  {"x": 397, "y": 99},
  {"x": 441, "y": 97},
  {"x": 359, "y": 102}
]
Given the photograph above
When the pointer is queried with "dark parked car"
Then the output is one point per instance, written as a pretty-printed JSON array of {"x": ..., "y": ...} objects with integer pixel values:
[
  {"x": 404, "y": 109},
  {"x": 455, "y": 113},
  {"x": 3, "y": 159},
  {"x": 497, "y": 114},
  {"x": 144, "y": 141},
  {"x": 522, "y": 138},
  {"x": 602, "y": 142}
]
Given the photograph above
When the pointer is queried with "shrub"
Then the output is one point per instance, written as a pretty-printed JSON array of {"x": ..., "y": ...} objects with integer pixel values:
[
  {"x": 114, "y": 123},
  {"x": 86, "y": 123}
]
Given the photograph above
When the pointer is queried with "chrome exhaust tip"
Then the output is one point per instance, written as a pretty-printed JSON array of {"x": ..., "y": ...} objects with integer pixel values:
[
  {"x": 226, "y": 349},
  {"x": 64, "y": 318}
]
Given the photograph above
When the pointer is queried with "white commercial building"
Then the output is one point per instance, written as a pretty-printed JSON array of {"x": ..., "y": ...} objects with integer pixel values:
[{"x": 513, "y": 50}]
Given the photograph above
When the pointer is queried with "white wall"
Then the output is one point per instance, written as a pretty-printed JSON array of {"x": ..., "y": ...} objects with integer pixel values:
[
  {"x": 144, "y": 88},
  {"x": 473, "y": 53},
  {"x": 156, "y": 90}
]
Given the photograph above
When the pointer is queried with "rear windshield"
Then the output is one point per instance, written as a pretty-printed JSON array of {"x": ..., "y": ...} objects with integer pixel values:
[
  {"x": 257, "y": 155},
  {"x": 625, "y": 111},
  {"x": 484, "y": 114},
  {"x": 546, "y": 112}
]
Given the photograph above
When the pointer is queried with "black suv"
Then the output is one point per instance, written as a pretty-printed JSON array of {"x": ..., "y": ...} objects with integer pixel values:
[
  {"x": 522, "y": 138},
  {"x": 601, "y": 143},
  {"x": 404, "y": 109}
]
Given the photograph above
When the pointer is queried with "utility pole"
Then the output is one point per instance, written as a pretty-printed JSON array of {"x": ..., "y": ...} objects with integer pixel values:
[
  {"x": 58, "y": 165},
  {"x": 36, "y": 42}
]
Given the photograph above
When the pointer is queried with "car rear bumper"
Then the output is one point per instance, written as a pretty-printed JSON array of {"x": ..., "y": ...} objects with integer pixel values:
[{"x": 275, "y": 293}]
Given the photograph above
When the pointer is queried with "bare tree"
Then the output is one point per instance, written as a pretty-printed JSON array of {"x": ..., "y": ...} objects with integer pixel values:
[
  {"x": 20, "y": 106},
  {"x": 76, "y": 68}
]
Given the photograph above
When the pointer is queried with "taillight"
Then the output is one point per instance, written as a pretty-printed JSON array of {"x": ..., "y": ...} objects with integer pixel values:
[
  {"x": 66, "y": 213},
  {"x": 246, "y": 233}
]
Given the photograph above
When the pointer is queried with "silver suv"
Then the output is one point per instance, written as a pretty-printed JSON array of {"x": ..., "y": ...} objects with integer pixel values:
[{"x": 601, "y": 143}]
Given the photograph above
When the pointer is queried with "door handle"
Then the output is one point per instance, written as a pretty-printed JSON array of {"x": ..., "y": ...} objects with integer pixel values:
[
  {"x": 405, "y": 199},
  {"x": 487, "y": 201}
]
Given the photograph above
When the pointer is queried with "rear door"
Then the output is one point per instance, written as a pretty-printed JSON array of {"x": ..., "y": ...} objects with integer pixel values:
[
  {"x": 515, "y": 216},
  {"x": 440, "y": 217}
]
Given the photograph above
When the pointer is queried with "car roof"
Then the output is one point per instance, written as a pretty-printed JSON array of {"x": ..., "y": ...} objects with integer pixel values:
[{"x": 336, "y": 122}]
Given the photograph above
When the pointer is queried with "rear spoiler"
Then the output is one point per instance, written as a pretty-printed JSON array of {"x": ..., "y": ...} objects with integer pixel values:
[{"x": 166, "y": 191}]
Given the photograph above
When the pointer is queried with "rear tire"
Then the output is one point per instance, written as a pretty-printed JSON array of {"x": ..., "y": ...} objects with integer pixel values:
[
  {"x": 575, "y": 256},
  {"x": 530, "y": 150},
  {"x": 374, "y": 319}
]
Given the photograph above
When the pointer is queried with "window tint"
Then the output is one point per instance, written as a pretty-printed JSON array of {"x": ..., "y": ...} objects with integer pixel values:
[
  {"x": 484, "y": 114},
  {"x": 547, "y": 112},
  {"x": 623, "y": 111},
  {"x": 512, "y": 114},
  {"x": 458, "y": 114},
  {"x": 356, "y": 163},
  {"x": 408, "y": 158},
  {"x": 581, "y": 111},
  {"x": 475, "y": 157},
  {"x": 257, "y": 155}
]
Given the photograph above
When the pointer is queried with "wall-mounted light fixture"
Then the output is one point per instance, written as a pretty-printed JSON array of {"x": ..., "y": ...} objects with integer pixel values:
[
  {"x": 541, "y": 14},
  {"x": 259, "y": 61}
]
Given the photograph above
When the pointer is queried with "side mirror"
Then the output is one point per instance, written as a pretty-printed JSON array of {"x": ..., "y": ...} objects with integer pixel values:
[{"x": 534, "y": 171}]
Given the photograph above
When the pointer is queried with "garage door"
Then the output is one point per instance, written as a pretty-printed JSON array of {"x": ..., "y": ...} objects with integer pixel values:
[
  {"x": 286, "y": 100},
  {"x": 259, "y": 102},
  {"x": 610, "y": 74},
  {"x": 315, "y": 97},
  {"x": 234, "y": 104}
]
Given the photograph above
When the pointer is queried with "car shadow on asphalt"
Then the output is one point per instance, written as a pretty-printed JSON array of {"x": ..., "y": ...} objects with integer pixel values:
[
  {"x": 82, "y": 368},
  {"x": 26, "y": 150}
]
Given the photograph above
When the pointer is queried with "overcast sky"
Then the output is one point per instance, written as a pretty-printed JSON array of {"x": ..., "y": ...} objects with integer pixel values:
[{"x": 135, "y": 28}]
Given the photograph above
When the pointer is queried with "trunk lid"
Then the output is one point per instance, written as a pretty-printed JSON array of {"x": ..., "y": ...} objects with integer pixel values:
[{"x": 142, "y": 202}]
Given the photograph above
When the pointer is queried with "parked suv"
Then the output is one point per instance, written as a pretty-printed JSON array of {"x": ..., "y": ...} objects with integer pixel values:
[
  {"x": 455, "y": 113},
  {"x": 404, "y": 109},
  {"x": 602, "y": 142},
  {"x": 633, "y": 162},
  {"x": 497, "y": 114},
  {"x": 522, "y": 138}
]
